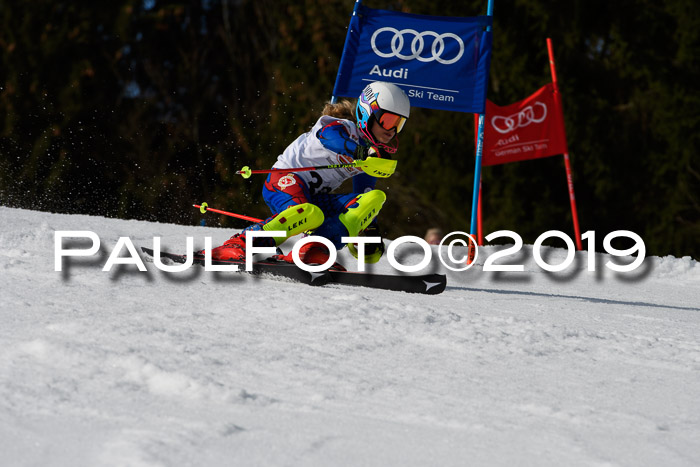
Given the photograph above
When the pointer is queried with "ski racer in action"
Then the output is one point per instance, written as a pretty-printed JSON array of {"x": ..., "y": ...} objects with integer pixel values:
[{"x": 304, "y": 201}]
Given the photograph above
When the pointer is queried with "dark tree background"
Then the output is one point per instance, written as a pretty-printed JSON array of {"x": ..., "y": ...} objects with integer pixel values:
[{"x": 140, "y": 108}]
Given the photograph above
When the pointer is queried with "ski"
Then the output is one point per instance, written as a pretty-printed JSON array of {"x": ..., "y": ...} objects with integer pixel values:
[
  {"x": 279, "y": 269},
  {"x": 430, "y": 284}
]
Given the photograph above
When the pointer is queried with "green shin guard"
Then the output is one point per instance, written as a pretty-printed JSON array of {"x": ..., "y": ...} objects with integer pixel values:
[
  {"x": 356, "y": 219},
  {"x": 295, "y": 220}
]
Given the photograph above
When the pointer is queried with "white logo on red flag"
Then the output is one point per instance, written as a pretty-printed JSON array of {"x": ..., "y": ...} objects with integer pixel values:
[
  {"x": 535, "y": 113},
  {"x": 528, "y": 129}
]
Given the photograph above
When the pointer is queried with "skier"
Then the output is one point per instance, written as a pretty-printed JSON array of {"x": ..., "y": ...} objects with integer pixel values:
[{"x": 303, "y": 201}]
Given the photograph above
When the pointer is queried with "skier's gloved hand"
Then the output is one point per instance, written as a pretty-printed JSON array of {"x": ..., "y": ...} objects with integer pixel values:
[
  {"x": 373, "y": 251},
  {"x": 374, "y": 161},
  {"x": 363, "y": 152}
]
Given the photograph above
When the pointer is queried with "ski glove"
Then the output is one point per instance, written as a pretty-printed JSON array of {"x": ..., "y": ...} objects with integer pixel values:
[
  {"x": 362, "y": 152},
  {"x": 374, "y": 162}
]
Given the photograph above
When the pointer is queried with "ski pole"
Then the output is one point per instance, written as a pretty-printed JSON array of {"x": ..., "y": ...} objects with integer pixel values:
[
  {"x": 205, "y": 207},
  {"x": 374, "y": 166},
  {"x": 246, "y": 171}
]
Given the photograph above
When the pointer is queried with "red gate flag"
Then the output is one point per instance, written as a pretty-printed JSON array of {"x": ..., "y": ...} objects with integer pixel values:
[{"x": 528, "y": 129}]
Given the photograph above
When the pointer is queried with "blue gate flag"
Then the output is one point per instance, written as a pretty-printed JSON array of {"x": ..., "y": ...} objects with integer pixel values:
[{"x": 441, "y": 62}]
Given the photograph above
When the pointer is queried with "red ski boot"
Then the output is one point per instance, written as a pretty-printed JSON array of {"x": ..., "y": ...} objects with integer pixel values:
[
  {"x": 312, "y": 253},
  {"x": 233, "y": 248}
]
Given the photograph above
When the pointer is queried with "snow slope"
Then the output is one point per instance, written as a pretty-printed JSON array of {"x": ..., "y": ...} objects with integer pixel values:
[{"x": 200, "y": 368}]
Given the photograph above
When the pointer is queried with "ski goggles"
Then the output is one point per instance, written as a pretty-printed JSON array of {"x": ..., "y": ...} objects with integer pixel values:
[{"x": 390, "y": 120}]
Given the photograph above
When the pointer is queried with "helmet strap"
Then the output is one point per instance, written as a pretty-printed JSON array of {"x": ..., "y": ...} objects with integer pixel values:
[{"x": 393, "y": 146}]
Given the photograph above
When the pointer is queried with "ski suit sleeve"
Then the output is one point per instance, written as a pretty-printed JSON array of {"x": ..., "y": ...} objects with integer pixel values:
[{"x": 335, "y": 137}]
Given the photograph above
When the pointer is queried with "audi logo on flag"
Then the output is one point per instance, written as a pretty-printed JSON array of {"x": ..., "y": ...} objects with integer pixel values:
[
  {"x": 520, "y": 119},
  {"x": 418, "y": 45}
]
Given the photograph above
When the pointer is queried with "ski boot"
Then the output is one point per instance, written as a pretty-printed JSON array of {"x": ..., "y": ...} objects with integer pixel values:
[
  {"x": 293, "y": 221},
  {"x": 359, "y": 215},
  {"x": 312, "y": 253},
  {"x": 361, "y": 211},
  {"x": 373, "y": 251}
]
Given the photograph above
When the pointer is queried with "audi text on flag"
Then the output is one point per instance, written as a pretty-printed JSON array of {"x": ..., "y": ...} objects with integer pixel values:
[
  {"x": 440, "y": 62},
  {"x": 528, "y": 129}
]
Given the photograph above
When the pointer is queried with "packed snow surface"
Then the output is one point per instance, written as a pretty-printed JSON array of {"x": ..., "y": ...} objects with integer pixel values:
[{"x": 134, "y": 368}]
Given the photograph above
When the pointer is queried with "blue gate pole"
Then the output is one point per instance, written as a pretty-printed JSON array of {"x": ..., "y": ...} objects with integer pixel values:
[
  {"x": 334, "y": 99},
  {"x": 479, "y": 154}
]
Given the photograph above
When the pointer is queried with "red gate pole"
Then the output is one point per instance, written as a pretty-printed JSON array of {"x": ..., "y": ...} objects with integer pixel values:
[{"x": 567, "y": 162}]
